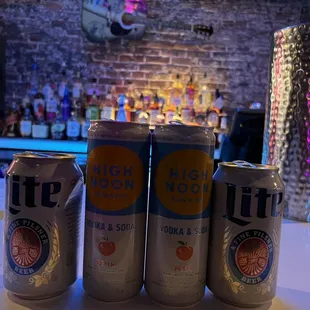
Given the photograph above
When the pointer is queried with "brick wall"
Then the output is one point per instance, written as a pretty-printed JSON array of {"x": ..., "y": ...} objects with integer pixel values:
[{"x": 236, "y": 58}]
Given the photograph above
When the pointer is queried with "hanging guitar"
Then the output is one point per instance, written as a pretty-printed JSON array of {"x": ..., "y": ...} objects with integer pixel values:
[{"x": 111, "y": 19}]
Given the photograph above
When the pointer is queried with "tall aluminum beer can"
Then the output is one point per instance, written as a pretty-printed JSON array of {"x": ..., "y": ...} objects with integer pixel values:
[
  {"x": 116, "y": 206},
  {"x": 178, "y": 227},
  {"x": 42, "y": 221},
  {"x": 246, "y": 219}
]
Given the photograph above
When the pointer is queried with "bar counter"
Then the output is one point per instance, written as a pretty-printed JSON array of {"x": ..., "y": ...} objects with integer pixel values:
[{"x": 293, "y": 281}]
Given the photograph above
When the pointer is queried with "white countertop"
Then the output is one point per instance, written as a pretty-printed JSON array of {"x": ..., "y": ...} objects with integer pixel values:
[{"x": 293, "y": 281}]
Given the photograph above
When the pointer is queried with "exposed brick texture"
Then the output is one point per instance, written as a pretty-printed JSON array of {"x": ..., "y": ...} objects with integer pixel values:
[{"x": 236, "y": 58}]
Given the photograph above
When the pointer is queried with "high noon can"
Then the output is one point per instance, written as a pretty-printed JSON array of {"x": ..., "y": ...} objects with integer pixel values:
[
  {"x": 42, "y": 221},
  {"x": 247, "y": 210},
  {"x": 116, "y": 206},
  {"x": 178, "y": 227}
]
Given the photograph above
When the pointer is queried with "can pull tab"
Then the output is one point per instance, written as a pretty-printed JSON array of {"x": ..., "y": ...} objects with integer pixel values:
[{"x": 243, "y": 164}]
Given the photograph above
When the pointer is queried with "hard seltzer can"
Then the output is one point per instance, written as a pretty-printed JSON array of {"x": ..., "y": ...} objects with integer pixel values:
[
  {"x": 178, "y": 227},
  {"x": 116, "y": 206},
  {"x": 42, "y": 219},
  {"x": 247, "y": 211}
]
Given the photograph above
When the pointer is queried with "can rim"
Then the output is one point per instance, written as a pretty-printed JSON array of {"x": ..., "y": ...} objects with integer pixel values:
[
  {"x": 183, "y": 126},
  {"x": 45, "y": 155},
  {"x": 252, "y": 167}
]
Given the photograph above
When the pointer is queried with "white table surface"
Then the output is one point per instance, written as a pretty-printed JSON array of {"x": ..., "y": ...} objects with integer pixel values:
[{"x": 293, "y": 281}]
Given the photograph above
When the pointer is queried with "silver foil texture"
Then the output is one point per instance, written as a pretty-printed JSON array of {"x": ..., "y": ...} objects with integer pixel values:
[{"x": 287, "y": 127}]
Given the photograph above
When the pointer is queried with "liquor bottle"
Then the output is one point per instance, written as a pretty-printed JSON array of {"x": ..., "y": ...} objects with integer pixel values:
[
  {"x": 154, "y": 110},
  {"x": 65, "y": 105},
  {"x": 84, "y": 128},
  {"x": 73, "y": 127},
  {"x": 190, "y": 93},
  {"x": 170, "y": 110},
  {"x": 143, "y": 116},
  {"x": 40, "y": 128},
  {"x": 77, "y": 90},
  {"x": 92, "y": 111},
  {"x": 131, "y": 102},
  {"x": 177, "y": 92},
  {"x": 34, "y": 81},
  {"x": 25, "y": 125},
  {"x": 160, "y": 119},
  {"x": 139, "y": 104},
  {"x": 177, "y": 115},
  {"x": 51, "y": 107},
  {"x": 26, "y": 101},
  {"x": 39, "y": 104},
  {"x": 204, "y": 103},
  {"x": 62, "y": 87},
  {"x": 58, "y": 127},
  {"x": 47, "y": 90},
  {"x": 121, "y": 114},
  {"x": 11, "y": 126},
  {"x": 77, "y": 106},
  {"x": 127, "y": 110},
  {"x": 107, "y": 108},
  {"x": 218, "y": 104}
]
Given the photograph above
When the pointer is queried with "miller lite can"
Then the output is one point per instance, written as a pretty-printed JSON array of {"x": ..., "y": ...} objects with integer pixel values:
[
  {"x": 178, "y": 226},
  {"x": 246, "y": 219},
  {"x": 116, "y": 207},
  {"x": 42, "y": 221}
]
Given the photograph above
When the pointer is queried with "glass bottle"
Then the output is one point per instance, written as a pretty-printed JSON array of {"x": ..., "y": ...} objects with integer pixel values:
[
  {"x": 40, "y": 128},
  {"x": 84, "y": 128},
  {"x": 139, "y": 104},
  {"x": 107, "y": 108},
  {"x": 62, "y": 87},
  {"x": 189, "y": 102},
  {"x": 25, "y": 125},
  {"x": 160, "y": 119},
  {"x": 65, "y": 105},
  {"x": 204, "y": 103},
  {"x": 190, "y": 93},
  {"x": 121, "y": 114},
  {"x": 47, "y": 90},
  {"x": 51, "y": 107},
  {"x": 58, "y": 127},
  {"x": 11, "y": 126},
  {"x": 131, "y": 103},
  {"x": 177, "y": 115},
  {"x": 177, "y": 92},
  {"x": 154, "y": 110},
  {"x": 39, "y": 104},
  {"x": 26, "y": 101},
  {"x": 92, "y": 111},
  {"x": 144, "y": 117},
  {"x": 77, "y": 90},
  {"x": 73, "y": 126}
]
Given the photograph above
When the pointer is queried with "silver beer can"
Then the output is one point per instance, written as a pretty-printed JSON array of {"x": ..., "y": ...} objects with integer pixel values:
[
  {"x": 178, "y": 226},
  {"x": 246, "y": 219},
  {"x": 116, "y": 207},
  {"x": 42, "y": 221}
]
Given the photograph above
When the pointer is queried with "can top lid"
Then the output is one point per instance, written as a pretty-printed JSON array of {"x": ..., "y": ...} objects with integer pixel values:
[
  {"x": 183, "y": 128},
  {"x": 240, "y": 164},
  {"x": 39, "y": 155}
]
